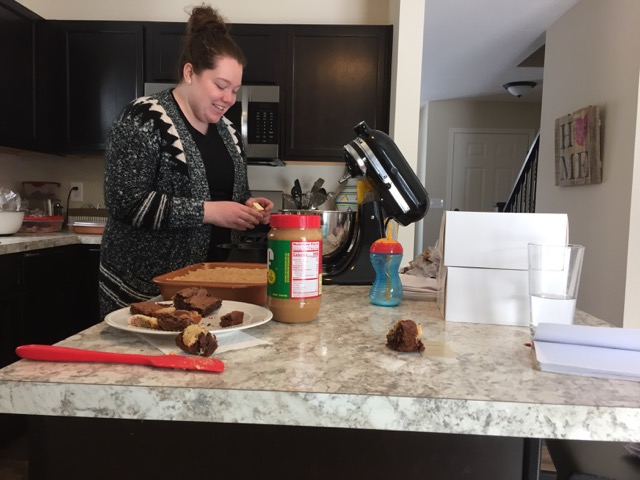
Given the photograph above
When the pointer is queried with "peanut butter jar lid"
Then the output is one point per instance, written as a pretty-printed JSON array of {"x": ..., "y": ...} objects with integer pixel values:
[{"x": 294, "y": 221}]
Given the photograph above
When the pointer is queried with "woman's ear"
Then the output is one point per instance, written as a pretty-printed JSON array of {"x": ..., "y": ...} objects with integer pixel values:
[{"x": 187, "y": 73}]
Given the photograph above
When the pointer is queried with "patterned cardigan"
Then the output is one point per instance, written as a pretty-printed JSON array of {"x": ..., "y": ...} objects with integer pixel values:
[{"x": 154, "y": 187}]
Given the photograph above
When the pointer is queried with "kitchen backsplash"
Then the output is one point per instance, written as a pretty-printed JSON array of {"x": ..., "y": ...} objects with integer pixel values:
[{"x": 17, "y": 166}]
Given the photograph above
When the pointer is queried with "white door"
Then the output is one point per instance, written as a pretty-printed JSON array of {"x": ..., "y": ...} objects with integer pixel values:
[{"x": 484, "y": 167}]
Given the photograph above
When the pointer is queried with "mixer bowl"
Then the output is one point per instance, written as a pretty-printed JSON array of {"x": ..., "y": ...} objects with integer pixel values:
[{"x": 338, "y": 229}]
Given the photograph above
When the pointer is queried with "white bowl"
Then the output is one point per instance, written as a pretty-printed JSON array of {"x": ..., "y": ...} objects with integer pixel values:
[{"x": 10, "y": 222}]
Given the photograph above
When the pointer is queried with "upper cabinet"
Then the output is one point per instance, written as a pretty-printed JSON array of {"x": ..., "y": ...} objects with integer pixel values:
[
  {"x": 67, "y": 81},
  {"x": 104, "y": 72},
  {"x": 336, "y": 77},
  {"x": 17, "y": 121},
  {"x": 261, "y": 44},
  {"x": 162, "y": 51}
]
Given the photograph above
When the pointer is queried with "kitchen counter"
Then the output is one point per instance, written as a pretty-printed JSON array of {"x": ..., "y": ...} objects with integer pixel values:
[
  {"x": 24, "y": 242},
  {"x": 337, "y": 372}
]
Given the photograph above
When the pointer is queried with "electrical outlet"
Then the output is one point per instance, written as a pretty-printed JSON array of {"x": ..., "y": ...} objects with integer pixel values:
[{"x": 76, "y": 195}]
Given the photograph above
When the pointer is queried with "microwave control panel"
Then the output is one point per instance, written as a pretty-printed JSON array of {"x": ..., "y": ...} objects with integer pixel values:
[{"x": 263, "y": 123}]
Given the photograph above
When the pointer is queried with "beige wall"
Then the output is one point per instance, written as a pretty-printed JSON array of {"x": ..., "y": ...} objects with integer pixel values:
[
  {"x": 239, "y": 11},
  {"x": 18, "y": 166},
  {"x": 592, "y": 59},
  {"x": 406, "y": 16},
  {"x": 439, "y": 118}
]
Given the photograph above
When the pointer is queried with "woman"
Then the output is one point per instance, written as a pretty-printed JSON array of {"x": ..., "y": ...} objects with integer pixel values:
[{"x": 175, "y": 171}]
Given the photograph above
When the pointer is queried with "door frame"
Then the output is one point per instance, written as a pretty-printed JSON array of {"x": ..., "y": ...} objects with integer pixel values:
[{"x": 452, "y": 133}]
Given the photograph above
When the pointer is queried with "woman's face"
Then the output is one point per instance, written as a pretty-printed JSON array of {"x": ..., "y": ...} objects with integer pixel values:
[{"x": 214, "y": 90}]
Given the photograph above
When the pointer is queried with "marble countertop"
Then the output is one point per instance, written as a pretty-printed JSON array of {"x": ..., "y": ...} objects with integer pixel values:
[
  {"x": 24, "y": 242},
  {"x": 338, "y": 372}
]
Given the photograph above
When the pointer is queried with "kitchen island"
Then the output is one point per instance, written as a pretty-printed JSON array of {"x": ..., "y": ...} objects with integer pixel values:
[{"x": 337, "y": 373}]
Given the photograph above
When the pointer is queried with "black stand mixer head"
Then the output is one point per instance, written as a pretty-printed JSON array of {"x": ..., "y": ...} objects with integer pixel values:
[{"x": 374, "y": 155}]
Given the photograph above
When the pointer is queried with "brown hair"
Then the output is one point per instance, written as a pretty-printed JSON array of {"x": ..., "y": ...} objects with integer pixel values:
[{"x": 206, "y": 40}]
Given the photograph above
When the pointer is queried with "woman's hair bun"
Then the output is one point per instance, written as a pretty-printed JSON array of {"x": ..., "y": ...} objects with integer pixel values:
[
  {"x": 207, "y": 39},
  {"x": 204, "y": 18}
]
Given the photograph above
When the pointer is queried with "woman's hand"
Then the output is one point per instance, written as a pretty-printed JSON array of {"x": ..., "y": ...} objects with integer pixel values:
[
  {"x": 265, "y": 204},
  {"x": 232, "y": 215}
]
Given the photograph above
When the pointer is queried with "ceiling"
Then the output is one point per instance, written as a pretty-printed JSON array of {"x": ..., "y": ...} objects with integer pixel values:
[{"x": 473, "y": 47}]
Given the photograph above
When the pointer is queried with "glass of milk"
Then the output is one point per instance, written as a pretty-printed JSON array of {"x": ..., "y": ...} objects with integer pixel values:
[{"x": 554, "y": 277}]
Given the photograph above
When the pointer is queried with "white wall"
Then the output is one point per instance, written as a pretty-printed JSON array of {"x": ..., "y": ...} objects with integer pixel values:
[
  {"x": 439, "y": 118},
  {"x": 592, "y": 59},
  {"x": 406, "y": 15}
]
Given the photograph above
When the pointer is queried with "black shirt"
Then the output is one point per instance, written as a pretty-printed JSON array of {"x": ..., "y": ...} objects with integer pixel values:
[{"x": 220, "y": 172}]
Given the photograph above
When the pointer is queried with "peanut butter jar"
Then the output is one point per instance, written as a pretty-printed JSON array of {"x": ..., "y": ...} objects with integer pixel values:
[{"x": 294, "y": 264}]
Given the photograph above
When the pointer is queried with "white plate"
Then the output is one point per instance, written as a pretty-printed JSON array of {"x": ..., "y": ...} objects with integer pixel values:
[{"x": 254, "y": 315}]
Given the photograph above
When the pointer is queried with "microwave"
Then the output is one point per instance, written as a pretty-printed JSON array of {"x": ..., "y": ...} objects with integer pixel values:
[{"x": 256, "y": 114}]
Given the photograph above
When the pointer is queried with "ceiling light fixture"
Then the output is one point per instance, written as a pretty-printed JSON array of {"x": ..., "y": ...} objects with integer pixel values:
[{"x": 517, "y": 89}]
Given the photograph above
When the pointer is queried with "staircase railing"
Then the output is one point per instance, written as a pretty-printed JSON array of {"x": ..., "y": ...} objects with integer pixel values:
[{"x": 523, "y": 195}]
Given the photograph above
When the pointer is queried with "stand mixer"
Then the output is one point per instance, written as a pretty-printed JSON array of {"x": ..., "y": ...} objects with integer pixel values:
[{"x": 401, "y": 197}]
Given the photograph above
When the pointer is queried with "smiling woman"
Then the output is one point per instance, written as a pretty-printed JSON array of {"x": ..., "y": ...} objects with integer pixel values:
[
  {"x": 213, "y": 92},
  {"x": 175, "y": 171}
]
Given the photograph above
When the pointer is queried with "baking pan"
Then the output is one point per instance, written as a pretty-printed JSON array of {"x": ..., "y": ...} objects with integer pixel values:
[
  {"x": 88, "y": 228},
  {"x": 255, "y": 293}
]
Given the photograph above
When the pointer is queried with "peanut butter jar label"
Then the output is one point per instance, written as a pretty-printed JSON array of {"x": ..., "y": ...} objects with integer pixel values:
[{"x": 294, "y": 269}]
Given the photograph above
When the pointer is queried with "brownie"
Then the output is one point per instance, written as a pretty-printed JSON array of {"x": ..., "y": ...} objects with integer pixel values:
[
  {"x": 404, "y": 336},
  {"x": 232, "y": 318},
  {"x": 178, "y": 320},
  {"x": 197, "y": 340},
  {"x": 197, "y": 299},
  {"x": 145, "y": 308}
]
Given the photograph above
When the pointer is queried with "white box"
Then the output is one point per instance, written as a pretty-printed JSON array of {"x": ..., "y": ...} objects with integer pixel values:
[{"x": 483, "y": 275}]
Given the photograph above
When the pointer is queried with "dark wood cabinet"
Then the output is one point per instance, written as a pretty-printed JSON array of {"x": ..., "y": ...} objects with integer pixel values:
[
  {"x": 261, "y": 44},
  {"x": 65, "y": 281},
  {"x": 47, "y": 295},
  {"x": 87, "y": 311},
  {"x": 71, "y": 79},
  {"x": 337, "y": 76},
  {"x": 104, "y": 62},
  {"x": 263, "y": 48},
  {"x": 331, "y": 77},
  {"x": 33, "y": 86},
  {"x": 10, "y": 306},
  {"x": 162, "y": 43},
  {"x": 17, "y": 121}
]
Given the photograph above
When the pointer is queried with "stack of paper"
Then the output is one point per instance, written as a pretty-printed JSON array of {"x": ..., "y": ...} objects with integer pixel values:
[
  {"x": 418, "y": 288},
  {"x": 590, "y": 351}
]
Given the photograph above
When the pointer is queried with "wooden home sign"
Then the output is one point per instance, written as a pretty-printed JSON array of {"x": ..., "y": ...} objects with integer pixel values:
[{"x": 578, "y": 148}]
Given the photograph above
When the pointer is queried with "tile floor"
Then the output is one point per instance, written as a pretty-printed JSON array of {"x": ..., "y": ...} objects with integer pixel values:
[{"x": 547, "y": 469}]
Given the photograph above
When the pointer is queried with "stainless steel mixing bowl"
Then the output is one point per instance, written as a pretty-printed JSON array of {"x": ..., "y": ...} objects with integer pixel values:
[{"x": 338, "y": 229}]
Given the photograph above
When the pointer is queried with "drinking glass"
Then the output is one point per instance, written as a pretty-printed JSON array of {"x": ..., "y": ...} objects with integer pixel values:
[{"x": 554, "y": 278}]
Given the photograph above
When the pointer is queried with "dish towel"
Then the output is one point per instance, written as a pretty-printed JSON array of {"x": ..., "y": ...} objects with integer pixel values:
[
  {"x": 418, "y": 288},
  {"x": 226, "y": 342}
]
